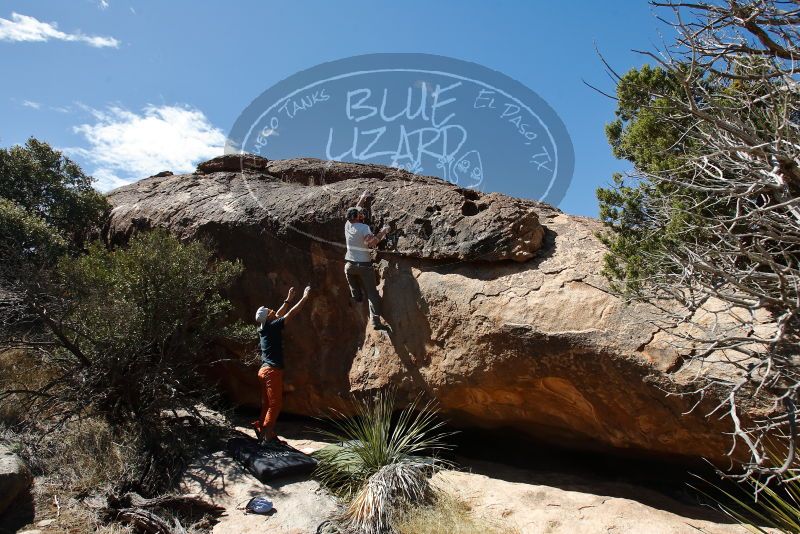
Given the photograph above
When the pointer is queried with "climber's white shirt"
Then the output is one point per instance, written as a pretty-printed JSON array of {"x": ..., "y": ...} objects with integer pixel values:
[{"x": 354, "y": 235}]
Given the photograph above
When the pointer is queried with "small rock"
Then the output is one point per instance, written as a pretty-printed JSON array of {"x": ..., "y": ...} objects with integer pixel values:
[{"x": 45, "y": 522}]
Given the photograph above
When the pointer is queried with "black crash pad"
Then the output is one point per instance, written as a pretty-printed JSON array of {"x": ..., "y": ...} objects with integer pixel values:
[{"x": 271, "y": 460}]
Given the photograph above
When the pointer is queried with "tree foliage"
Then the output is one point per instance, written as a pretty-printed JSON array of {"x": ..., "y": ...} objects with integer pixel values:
[
  {"x": 114, "y": 337},
  {"x": 645, "y": 134},
  {"x": 26, "y": 240},
  {"x": 47, "y": 208},
  {"x": 707, "y": 226},
  {"x": 126, "y": 334},
  {"x": 141, "y": 318},
  {"x": 52, "y": 187}
]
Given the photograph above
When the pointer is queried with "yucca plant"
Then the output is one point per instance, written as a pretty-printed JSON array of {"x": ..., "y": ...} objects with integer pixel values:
[
  {"x": 373, "y": 438},
  {"x": 393, "y": 487},
  {"x": 381, "y": 463},
  {"x": 758, "y": 505}
]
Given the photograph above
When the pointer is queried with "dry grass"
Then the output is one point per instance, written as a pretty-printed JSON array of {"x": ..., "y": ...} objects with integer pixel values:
[
  {"x": 82, "y": 454},
  {"x": 86, "y": 455},
  {"x": 448, "y": 515},
  {"x": 20, "y": 370},
  {"x": 81, "y": 457},
  {"x": 65, "y": 513},
  {"x": 393, "y": 487}
]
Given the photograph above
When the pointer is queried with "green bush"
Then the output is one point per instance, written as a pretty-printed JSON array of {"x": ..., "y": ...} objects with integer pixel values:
[
  {"x": 140, "y": 319},
  {"x": 53, "y": 188},
  {"x": 126, "y": 335},
  {"x": 380, "y": 463},
  {"x": 26, "y": 240},
  {"x": 373, "y": 439}
]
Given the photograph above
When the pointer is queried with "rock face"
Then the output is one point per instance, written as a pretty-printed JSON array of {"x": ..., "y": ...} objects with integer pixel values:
[
  {"x": 496, "y": 304},
  {"x": 15, "y": 478}
]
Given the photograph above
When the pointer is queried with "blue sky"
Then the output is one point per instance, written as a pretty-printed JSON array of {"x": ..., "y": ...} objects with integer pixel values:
[{"x": 129, "y": 87}]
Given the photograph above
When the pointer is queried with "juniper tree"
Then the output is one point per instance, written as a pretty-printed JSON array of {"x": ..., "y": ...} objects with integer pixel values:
[{"x": 707, "y": 225}]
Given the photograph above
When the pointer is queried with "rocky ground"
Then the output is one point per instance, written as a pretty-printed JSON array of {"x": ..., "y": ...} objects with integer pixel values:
[
  {"x": 300, "y": 504},
  {"x": 553, "y": 493},
  {"x": 526, "y": 500}
]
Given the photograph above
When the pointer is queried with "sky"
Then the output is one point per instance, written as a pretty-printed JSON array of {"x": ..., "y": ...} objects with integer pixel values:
[{"x": 128, "y": 88}]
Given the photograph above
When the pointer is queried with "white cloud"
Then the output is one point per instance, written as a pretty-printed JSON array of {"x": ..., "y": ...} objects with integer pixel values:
[
  {"x": 103, "y": 4},
  {"x": 106, "y": 180},
  {"x": 24, "y": 28},
  {"x": 31, "y": 104},
  {"x": 126, "y": 146}
]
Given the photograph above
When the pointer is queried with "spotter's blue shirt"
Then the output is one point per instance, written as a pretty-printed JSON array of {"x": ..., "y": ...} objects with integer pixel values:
[{"x": 271, "y": 341}]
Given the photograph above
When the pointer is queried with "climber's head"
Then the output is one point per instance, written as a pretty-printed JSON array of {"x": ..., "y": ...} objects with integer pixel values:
[
  {"x": 264, "y": 315},
  {"x": 355, "y": 214}
]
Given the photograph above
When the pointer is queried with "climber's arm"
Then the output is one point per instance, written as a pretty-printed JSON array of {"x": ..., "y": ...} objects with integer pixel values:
[
  {"x": 291, "y": 313},
  {"x": 372, "y": 240},
  {"x": 282, "y": 310},
  {"x": 365, "y": 199}
]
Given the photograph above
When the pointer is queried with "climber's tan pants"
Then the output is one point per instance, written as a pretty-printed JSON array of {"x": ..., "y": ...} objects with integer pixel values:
[{"x": 361, "y": 279}]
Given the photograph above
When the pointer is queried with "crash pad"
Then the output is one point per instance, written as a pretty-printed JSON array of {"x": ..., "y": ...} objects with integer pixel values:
[{"x": 271, "y": 460}]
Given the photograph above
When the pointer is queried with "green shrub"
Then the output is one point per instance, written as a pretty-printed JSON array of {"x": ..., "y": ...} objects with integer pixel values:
[
  {"x": 126, "y": 335},
  {"x": 140, "y": 320},
  {"x": 373, "y": 439},
  {"x": 379, "y": 463},
  {"x": 26, "y": 240},
  {"x": 52, "y": 188}
]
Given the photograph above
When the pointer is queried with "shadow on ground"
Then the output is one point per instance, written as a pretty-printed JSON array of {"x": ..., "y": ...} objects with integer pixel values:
[
  {"x": 18, "y": 514},
  {"x": 660, "y": 485}
]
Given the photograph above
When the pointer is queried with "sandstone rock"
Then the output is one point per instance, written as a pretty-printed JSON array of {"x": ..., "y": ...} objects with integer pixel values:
[
  {"x": 564, "y": 504},
  {"x": 15, "y": 478},
  {"x": 305, "y": 200},
  {"x": 538, "y": 345},
  {"x": 233, "y": 163}
]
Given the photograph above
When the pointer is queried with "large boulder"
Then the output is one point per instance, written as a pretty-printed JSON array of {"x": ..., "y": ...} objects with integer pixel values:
[
  {"x": 497, "y": 305},
  {"x": 15, "y": 478}
]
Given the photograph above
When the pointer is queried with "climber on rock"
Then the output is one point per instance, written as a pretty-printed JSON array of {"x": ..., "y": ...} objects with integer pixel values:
[
  {"x": 270, "y": 332},
  {"x": 358, "y": 260}
]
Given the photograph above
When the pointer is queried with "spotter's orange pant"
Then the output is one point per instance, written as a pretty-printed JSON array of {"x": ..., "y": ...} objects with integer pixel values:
[{"x": 271, "y": 400}]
